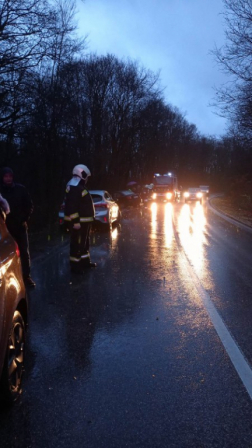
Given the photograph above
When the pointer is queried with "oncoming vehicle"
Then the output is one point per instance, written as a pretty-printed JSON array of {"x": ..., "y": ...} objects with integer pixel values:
[
  {"x": 165, "y": 187},
  {"x": 193, "y": 194},
  {"x": 13, "y": 316},
  {"x": 205, "y": 190},
  {"x": 106, "y": 209}
]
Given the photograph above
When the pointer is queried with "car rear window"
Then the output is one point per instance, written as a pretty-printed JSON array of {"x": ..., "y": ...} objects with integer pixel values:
[{"x": 96, "y": 198}]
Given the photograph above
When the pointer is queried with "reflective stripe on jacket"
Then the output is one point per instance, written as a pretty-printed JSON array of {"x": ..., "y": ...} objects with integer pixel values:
[{"x": 79, "y": 205}]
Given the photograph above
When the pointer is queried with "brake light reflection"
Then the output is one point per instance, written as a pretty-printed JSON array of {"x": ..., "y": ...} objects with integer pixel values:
[{"x": 17, "y": 250}]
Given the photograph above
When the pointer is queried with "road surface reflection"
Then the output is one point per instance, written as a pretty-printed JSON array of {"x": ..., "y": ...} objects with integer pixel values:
[
  {"x": 191, "y": 228},
  {"x": 189, "y": 221}
]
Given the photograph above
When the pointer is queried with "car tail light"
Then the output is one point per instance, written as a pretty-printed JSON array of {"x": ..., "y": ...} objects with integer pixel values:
[
  {"x": 101, "y": 205},
  {"x": 129, "y": 197},
  {"x": 61, "y": 221},
  {"x": 17, "y": 250}
]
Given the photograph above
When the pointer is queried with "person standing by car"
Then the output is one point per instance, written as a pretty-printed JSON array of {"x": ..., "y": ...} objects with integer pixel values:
[
  {"x": 79, "y": 214},
  {"x": 21, "y": 208}
]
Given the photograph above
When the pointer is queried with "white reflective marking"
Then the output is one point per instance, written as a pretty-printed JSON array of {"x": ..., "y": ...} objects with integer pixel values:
[
  {"x": 235, "y": 354},
  {"x": 227, "y": 218}
]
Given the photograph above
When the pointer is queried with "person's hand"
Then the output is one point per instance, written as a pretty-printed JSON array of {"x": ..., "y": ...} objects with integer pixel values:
[{"x": 77, "y": 226}]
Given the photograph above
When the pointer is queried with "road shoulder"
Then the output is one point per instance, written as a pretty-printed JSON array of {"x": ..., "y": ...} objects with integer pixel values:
[{"x": 223, "y": 207}]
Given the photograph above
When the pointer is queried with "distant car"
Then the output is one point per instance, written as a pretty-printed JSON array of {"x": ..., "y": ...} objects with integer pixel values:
[
  {"x": 193, "y": 194},
  {"x": 13, "y": 316},
  {"x": 204, "y": 189},
  {"x": 107, "y": 210},
  {"x": 126, "y": 198}
]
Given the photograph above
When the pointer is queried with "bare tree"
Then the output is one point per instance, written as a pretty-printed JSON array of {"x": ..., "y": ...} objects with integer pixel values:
[
  {"x": 33, "y": 35},
  {"x": 235, "y": 59}
]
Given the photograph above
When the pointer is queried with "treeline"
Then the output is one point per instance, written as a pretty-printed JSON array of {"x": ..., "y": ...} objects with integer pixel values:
[{"x": 60, "y": 107}]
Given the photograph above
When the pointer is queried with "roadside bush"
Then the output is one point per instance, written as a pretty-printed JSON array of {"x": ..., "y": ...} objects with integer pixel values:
[{"x": 241, "y": 192}]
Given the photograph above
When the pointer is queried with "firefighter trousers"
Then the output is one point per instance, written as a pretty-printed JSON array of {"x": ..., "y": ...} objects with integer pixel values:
[{"x": 79, "y": 247}]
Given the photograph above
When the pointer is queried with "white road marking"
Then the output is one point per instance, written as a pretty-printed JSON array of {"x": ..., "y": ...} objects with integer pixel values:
[
  {"x": 227, "y": 218},
  {"x": 235, "y": 354}
]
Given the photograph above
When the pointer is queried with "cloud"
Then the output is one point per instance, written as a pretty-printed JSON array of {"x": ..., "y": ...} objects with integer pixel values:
[{"x": 173, "y": 36}]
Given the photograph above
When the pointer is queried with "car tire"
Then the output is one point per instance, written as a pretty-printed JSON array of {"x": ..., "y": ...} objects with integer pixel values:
[{"x": 11, "y": 379}]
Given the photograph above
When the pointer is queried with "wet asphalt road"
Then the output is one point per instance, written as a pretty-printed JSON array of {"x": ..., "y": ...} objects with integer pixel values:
[{"x": 127, "y": 355}]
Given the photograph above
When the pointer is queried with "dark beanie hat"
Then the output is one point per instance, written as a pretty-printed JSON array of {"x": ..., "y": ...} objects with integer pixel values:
[{"x": 6, "y": 170}]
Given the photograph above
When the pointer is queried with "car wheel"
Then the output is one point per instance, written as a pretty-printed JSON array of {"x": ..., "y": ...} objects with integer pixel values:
[{"x": 10, "y": 384}]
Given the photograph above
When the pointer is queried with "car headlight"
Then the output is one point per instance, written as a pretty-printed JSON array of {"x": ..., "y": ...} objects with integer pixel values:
[
  {"x": 169, "y": 195},
  {"x": 186, "y": 194},
  {"x": 199, "y": 195},
  {"x": 154, "y": 196}
]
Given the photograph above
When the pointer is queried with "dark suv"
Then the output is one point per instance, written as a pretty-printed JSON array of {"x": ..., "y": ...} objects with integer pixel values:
[{"x": 13, "y": 316}]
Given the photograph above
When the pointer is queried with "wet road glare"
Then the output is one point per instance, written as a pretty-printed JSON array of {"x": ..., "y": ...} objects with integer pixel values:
[{"x": 129, "y": 354}]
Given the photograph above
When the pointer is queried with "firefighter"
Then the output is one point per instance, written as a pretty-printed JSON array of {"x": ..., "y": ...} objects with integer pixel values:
[{"x": 79, "y": 215}]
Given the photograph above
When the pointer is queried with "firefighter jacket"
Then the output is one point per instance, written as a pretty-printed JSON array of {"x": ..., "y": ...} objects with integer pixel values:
[{"x": 79, "y": 207}]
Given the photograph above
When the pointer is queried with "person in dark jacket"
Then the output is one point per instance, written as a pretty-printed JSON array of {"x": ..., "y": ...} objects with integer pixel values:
[
  {"x": 79, "y": 215},
  {"x": 21, "y": 208}
]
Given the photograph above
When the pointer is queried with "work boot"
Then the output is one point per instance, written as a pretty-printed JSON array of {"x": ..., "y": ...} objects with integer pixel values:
[
  {"x": 29, "y": 282},
  {"x": 92, "y": 265}
]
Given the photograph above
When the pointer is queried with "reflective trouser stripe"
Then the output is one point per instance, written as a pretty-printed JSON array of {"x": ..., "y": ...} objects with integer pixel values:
[
  {"x": 86, "y": 255},
  {"x": 75, "y": 259},
  {"x": 67, "y": 218},
  {"x": 90, "y": 219},
  {"x": 74, "y": 215}
]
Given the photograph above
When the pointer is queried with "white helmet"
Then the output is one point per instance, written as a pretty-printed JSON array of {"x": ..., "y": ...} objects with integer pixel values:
[{"x": 79, "y": 170}]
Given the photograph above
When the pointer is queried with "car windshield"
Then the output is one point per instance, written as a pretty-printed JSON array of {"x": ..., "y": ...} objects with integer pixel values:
[
  {"x": 193, "y": 190},
  {"x": 96, "y": 198},
  {"x": 163, "y": 180}
]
